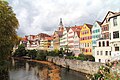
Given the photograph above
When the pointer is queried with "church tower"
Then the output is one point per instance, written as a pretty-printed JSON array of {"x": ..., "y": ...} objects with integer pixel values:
[{"x": 60, "y": 25}]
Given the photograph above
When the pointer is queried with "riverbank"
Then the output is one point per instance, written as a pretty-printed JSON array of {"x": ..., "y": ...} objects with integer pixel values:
[
  {"x": 77, "y": 65},
  {"x": 54, "y": 72}
]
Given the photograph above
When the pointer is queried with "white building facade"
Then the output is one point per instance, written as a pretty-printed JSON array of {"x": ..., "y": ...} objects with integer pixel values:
[
  {"x": 64, "y": 38},
  {"x": 114, "y": 23},
  {"x": 71, "y": 39},
  {"x": 102, "y": 51},
  {"x": 76, "y": 51},
  {"x": 103, "y": 44}
]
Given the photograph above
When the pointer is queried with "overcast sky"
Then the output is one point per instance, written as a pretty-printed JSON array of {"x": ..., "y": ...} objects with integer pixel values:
[{"x": 36, "y": 16}]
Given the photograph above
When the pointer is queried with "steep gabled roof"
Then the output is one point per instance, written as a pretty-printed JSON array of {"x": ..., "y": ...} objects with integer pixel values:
[
  {"x": 60, "y": 33},
  {"x": 116, "y": 14},
  {"x": 78, "y": 33},
  {"x": 107, "y": 15},
  {"x": 67, "y": 28},
  {"x": 99, "y": 22},
  {"x": 89, "y": 26},
  {"x": 73, "y": 28},
  {"x": 43, "y": 35}
]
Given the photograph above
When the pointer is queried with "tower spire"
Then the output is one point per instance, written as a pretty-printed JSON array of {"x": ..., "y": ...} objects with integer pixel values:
[{"x": 61, "y": 24}]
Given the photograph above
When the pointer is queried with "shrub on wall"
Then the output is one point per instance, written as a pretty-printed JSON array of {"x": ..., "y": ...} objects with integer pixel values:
[
  {"x": 20, "y": 51},
  {"x": 32, "y": 53},
  {"x": 41, "y": 55}
]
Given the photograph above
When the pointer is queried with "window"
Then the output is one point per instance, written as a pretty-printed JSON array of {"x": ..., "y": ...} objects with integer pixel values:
[
  {"x": 87, "y": 44},
  {"x": 98, "y": 30},
  {"x": 116, "y": 48},
  {"x": 99, "y": 44},
  {"x": 103, "y": 43},
  {"x": 110, "y": 53},
  {"x": 107, "y": 43},
  {"x": 101, "y": 52},
  {"x": 106, "y": 53},
  {"x": 115, "y": 34},
  {"x": 115, "y": 21},
  {"x": 90, "y": 37},
  {"x": 97, "y": 52}
]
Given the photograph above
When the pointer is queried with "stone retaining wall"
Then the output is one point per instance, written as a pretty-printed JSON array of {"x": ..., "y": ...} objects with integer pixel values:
[{"x": 77, "y": 65}]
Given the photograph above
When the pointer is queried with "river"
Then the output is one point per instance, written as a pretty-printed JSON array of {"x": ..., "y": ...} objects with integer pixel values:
[{"x": 26, "y": 70}]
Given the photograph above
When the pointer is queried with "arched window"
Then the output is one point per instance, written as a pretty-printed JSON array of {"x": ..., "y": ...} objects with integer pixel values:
[
  {"x": 103, "y": 43},
  {"x": 99, "y": 44},
  {"x": 107, "y": 43}
]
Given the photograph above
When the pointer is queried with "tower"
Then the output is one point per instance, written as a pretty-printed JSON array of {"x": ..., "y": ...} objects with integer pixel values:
[{"x": 60, "y": 25}]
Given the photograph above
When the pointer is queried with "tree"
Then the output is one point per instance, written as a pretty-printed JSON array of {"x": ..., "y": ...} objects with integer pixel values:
[
  {"x": 32, "y": 53},
  {"x": 20, "y": 51},
  {"x": 8, "y": 26}
]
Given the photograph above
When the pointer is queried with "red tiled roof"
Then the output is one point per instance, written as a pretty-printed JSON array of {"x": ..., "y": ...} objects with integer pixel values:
[
  {"x": 48, "y": 38},
  {"x": 24, "y": 39},
  {"x": 43, "y": 35},
  {"x": 76, "y": 28},
  {"x": 78, "y": 33}
]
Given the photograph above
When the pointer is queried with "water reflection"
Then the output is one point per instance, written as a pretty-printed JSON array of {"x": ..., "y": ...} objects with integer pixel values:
[
  {"x": 26, "y": 70},
  {"x": 33, "y": 71}
]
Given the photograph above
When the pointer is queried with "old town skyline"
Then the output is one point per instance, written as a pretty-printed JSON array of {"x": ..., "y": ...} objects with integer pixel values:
[{"x": 43, "y": 16}]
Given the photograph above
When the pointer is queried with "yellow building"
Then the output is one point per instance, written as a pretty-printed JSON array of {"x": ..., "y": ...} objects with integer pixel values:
[
  {"x": 47, "y": 43},
  {"x": 86, "y": 39},
  {"x": 56, "y": 39}
]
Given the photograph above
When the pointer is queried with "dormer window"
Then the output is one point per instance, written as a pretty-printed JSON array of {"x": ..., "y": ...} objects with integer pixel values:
[{"x": 115, "y": 21}]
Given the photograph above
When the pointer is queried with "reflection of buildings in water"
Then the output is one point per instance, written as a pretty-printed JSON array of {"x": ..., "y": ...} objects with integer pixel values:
[
  {"x": 27, "y": 67},
  {"x": 43, "y": 74},
  {"x": 13, "y": 62},
  {"x": 47, "y": 74},
  {"x": 55, "y": 74}
]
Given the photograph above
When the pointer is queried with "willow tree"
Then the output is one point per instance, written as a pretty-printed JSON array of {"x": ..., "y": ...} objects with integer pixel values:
[{"x": 8, "y": 26}]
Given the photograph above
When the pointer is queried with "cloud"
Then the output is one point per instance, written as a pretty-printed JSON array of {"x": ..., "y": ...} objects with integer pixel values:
[{"x": 36, "y": 16}]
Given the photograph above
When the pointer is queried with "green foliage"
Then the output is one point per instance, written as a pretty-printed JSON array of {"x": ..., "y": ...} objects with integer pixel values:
[
  {"x": 32, "y": 53},
  {"x": 20, "y": 51},
  {"x": 110, "y": 71},
  {"x": 81, "y": 57},
  {"x": 53, "y": 53},
  {"x": 41, "y": 55},
  {"x": 8, "y": 26},
  {"x": 4, "y": 65},
  {"x": 98, "y": 75}
]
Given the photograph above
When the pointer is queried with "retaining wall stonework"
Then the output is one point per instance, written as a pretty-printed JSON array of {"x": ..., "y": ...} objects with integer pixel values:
[{"x": 77, "y": 65}]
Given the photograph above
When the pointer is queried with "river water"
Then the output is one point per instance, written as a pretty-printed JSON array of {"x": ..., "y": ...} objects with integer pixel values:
[{"x": 24, "y": 70}]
